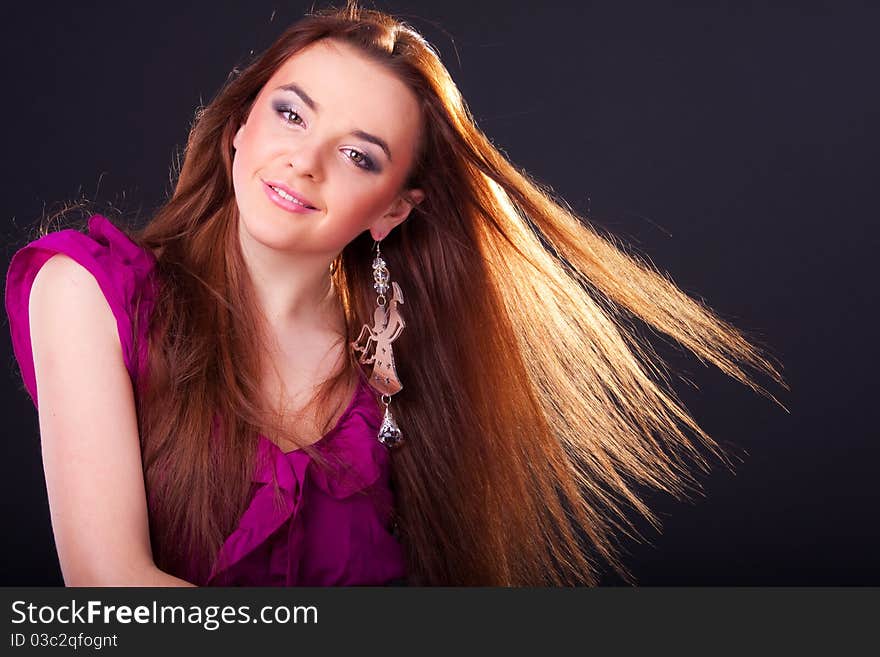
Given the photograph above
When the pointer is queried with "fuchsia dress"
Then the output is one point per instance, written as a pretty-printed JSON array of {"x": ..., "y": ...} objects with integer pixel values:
[{"x": 334, "y": 527}]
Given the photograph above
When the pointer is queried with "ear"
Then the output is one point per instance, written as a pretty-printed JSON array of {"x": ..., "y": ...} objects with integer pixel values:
[
  {"x": 237, "y": 138},
  {"x": 398, "y": 211}
]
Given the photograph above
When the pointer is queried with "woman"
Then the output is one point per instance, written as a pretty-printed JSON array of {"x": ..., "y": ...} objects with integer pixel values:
[{"x": 341, "y": 235}]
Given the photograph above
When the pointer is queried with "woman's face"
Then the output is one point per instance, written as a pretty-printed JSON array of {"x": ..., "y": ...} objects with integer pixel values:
[{"x": 323, "y": 138}]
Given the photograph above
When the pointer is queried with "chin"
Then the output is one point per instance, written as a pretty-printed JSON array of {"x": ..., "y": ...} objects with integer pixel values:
[{"x": 270, "y": 230}]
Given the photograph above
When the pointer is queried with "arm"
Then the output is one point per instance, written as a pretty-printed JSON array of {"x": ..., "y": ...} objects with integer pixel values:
[{"x": 89, "y": 434}]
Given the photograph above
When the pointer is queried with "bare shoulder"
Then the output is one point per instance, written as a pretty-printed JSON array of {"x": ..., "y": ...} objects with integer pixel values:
[{"x": 64, "y": 284}]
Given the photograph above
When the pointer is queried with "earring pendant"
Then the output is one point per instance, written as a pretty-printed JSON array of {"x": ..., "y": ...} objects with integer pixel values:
[{"x": 373, "y": 347}]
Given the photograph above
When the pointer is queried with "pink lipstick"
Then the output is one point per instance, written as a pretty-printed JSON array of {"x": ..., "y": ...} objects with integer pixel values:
[{"x": 290, "y": 201}]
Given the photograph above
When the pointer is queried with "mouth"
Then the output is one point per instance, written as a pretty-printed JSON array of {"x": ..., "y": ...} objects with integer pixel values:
[{"x": 287, "y": 198}]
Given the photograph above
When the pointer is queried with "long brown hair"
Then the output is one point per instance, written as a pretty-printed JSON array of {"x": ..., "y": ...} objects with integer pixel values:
[{"x": 533, "y": 409}]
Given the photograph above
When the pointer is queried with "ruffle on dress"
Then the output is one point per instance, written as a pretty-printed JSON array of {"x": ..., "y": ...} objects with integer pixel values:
[
  {"x": 124, "y": 271},
  {"x": 358, "y": 464}
]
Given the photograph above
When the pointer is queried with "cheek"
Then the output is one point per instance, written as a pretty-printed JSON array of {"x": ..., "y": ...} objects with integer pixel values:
[
  {"x": 253, "y": 144},
  {"x": 237, "y": 166},
  {"x": 244, "y": 163},
  {"x": 240, "y": 156},
  {"x": 350, "y": 214},
  {"x": 360, "y": 204}
]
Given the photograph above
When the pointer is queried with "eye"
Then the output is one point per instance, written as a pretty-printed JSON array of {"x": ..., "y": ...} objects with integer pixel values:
[
  {"x": 288, "y": 112},
  {"x": 365, "y": 162}
]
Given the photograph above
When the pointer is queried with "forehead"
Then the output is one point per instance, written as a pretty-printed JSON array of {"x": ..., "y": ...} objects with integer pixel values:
[{"x": 352, "y": 91}]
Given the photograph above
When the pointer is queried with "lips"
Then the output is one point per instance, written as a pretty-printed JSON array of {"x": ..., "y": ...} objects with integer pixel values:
[{"x": 287, "y": 190}]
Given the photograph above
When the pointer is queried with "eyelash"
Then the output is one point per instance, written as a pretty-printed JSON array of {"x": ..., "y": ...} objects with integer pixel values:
[{"x": 366, "y": 162}]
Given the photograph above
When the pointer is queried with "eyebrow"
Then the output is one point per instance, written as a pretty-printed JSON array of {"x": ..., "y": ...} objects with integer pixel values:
[{"x": 366, "y": 136}]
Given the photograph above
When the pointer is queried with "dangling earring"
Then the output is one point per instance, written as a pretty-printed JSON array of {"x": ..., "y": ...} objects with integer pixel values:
[{"x": 374, "y": 346}]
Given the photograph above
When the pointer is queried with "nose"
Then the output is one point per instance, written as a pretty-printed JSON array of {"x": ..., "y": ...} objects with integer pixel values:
[{"x": 305, "y": 158}]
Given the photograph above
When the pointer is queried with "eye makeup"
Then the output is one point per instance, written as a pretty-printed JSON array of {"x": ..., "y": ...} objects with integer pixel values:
[
  {"x": 285, "y": 110},
  {"x": 300, "y": 93}
]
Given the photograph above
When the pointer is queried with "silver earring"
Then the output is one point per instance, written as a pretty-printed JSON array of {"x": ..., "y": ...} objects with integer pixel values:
[{"x": 374, "y": 346}]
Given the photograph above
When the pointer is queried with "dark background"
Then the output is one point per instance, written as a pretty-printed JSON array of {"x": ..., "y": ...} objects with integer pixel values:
[{"x": 735, "y": 146}]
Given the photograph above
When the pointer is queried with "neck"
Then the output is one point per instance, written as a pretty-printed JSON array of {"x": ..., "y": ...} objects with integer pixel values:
[{"x": 294, "y": 292}]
